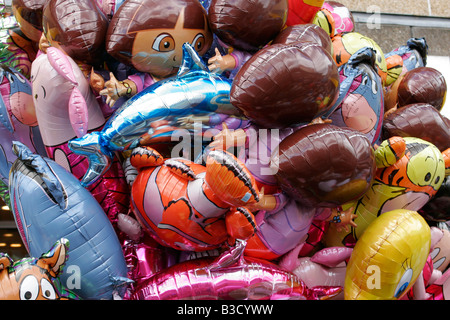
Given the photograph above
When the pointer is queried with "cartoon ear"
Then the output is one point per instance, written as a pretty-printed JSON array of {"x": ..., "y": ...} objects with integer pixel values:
[
  {"x": 5, "y": 261},
  {"x": 61, "y": 63},
  {"x": 54, "y": 260},
  {"x": 446, "y": 155},
  {"x": 390, "y": 151}
]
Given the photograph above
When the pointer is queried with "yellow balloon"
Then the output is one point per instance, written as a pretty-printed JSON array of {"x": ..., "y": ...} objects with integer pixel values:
[{"x": 388, "y": 257}]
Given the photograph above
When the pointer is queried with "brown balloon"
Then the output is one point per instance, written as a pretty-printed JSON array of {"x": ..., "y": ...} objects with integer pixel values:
[
  {"x": 247, "y": 24},
  {"x": 305, "y": 33},
  {"x": 324, "y": 165},
  {"x": 423, "y": 84},
  {"x": 420, "y": 120},
  {"x": 282, "y": 85},
  {"x": 78, "y": 27},
  {"x": 28, "y": 14}
]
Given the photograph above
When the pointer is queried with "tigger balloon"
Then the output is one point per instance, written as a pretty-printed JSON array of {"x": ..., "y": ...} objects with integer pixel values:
[
  {"x": 410, "y": 172},
  {"x": 188, "y": 206}
]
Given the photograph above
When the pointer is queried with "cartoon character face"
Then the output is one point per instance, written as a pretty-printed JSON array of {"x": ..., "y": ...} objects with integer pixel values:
[
  {"x": 164, "y": 56},
  {"x": 16, "y": 93},
  {"x": 31, "y": 278},
  {"x": 362, "y": 108}
]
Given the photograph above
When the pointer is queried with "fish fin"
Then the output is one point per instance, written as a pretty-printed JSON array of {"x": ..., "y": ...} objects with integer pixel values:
[
  {"x": 191, "y": 61},
  {"x": 99, "y": 157},
  {"x": 41, "y": 167}
]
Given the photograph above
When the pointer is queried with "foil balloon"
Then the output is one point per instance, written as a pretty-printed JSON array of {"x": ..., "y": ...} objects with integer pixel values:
[
  {"x": 48, "y": 204},
  {"x": 412, "y": 55},
  {"x": 346, "y": 44},
  {"x": 67, "y": 108},
  {"x": 302, "y": 11},
  {"x": 243, "y": 279},
  {"x": 438, "y": 208},
  {"x": 23, "y": 41},
  {"x": 196, "y": 210},
  {"x": 77, "y": 27},
  {"x": 440, "y": 254},
  {"x": 410, "y": 172},
  {"x": 194, "y": 91},
  {"x": 35, "y": 278},
  {"x": 326, "y": 267},
  {"x": 420, "y": 120},
  {"x": 149, "y": 35},
  {"x": 309, "y": 173},
  {"x": 281, "y": 230},
  {"x": 304, "y": 32},
  {"x": 230, "y": 21},
  {"x": 334, "y": 18},
  {"x": 422, "y": 84},
  {"x": 389, "y": 257},
  {"x": 263, "y": 91},
  {"x": 360, "y": 105},
  {"x": 17, "y": 114}
]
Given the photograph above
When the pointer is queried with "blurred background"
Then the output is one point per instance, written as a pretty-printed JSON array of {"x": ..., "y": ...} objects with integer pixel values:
[{"x": 389, "y": 23}]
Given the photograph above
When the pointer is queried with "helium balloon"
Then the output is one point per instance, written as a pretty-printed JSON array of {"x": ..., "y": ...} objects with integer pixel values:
[
  {"x": 410, "y": 172},
  {"x": 194, "y": 91},
  {"x": 230, "y": 21},
  {"x": 309, "y": 173},
  {"x": 196, "y": 210},
  {"x": 48, "y": 204},
  {"x": 360, "y": 105},
  {"x": 413, "y": 55},
  {"x": 389, "y": 257},
  {"x": 346, "y": 44},
  {"x": 66, "y": 108},
  {"x": 422, "y": 84},
  {"x": 35, "y": 278},
  {"x": 263, "y": 90},
  {"x": 77, "y": 27},
  {"x": 302, "y": 11},
  {"x": 242, "y": 279},
  {"x": 149, "y": 34},
  {"x": 304, "y": 32},
  {"x": 438, "y": 208},
  {"x": 420, "y": 120},
  {"x": 334, "y": 18}
]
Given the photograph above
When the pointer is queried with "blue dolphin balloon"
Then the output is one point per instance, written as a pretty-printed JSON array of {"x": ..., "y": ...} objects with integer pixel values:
[
  {"x": 49, "y": 203},
  {"x": 193, "y": 91}
]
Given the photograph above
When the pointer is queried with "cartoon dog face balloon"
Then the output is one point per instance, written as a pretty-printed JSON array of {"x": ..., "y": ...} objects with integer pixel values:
[{"x": 34, "y": 278}]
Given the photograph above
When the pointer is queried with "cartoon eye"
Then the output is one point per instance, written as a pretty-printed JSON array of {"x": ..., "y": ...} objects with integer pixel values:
[
  {"x": 29, "y": 288},
  {"x": 427, "y": 177},
  {"x": 364, "y": 80},
  {"x": 404, "y": 282},
  {"x": 20, "y": 77},
  {"x": 163, "y": 43},
  {"x": 374, "y": 87},
  {"x": 438, "y": 178},
  {"x": 48, "y": 291},
  {"x": 199, "y": 42}
]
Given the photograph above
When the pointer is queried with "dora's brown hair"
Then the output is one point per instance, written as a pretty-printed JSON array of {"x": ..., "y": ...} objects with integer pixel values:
[{"x": 138, "y": 15}]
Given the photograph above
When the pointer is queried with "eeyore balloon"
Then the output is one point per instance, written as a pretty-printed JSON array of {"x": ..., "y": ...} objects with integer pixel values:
[
  {"x": 48, "y": 204},
  {"x": 360, "y": 105}
]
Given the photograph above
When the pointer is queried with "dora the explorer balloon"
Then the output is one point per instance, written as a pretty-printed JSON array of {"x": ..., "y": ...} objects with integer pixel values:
[{"x": 148, "y": 35}]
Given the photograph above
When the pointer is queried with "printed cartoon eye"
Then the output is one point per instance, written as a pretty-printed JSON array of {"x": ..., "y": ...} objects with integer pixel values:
[
  {"x": 29, "y": 288},
  {"x": 364, "y": 80},
  {"x": 374, "y": 87},
  {"x": 48, "y": 291},
  {"x": 403, "y": 283},
  {"x": 199, "y": 42},
  {"x": 163, "y": 43}
]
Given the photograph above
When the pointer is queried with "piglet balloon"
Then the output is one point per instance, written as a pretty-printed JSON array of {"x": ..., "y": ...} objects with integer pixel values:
[{"x": 66, "y": 108}]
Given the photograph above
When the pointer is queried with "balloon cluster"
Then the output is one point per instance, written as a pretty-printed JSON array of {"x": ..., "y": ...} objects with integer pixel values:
[{"x": 221, "y": 149}]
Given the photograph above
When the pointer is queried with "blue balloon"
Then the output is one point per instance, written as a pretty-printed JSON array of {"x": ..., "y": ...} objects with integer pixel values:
[
  {"x": 48, "y": 204},
  {"x": 193, "y": 91}
]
